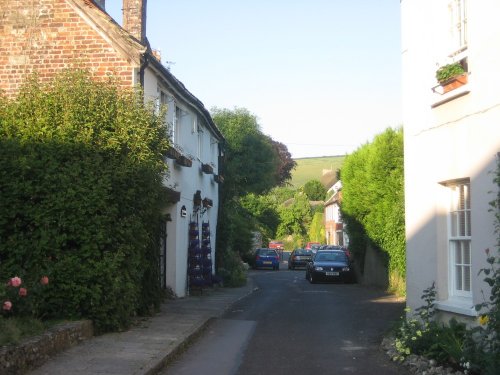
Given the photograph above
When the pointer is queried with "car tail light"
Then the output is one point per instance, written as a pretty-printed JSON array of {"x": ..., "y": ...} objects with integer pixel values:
[{"x": 257, "y": 257}]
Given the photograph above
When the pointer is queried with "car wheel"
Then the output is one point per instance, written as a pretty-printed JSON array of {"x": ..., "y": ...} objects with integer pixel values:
[{"x": 312, "y": 280}]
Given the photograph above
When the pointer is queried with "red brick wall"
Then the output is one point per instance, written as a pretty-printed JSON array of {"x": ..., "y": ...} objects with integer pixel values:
[{"x": 48, "y": 36}]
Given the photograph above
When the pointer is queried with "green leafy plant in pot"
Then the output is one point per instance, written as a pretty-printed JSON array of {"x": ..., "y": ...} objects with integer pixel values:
[
  {"x": 451, "y": 76},
  {"x": 449, "y": 71}
]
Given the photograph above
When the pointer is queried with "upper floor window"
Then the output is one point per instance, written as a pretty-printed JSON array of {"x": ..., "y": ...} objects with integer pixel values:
[
  {"x": 176, "y": 128},
  {"x": 458, "y": 26},
  {"x": 200, "y": 143}
]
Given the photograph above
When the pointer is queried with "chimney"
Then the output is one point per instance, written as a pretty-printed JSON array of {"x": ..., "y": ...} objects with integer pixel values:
[{"x": 134, "y": 18}]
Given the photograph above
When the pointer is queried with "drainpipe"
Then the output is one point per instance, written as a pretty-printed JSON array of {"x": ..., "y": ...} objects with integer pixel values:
[{"x": 142, "y": 69}]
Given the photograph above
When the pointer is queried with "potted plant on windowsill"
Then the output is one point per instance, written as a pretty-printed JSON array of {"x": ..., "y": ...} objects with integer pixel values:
[{"x": 451, "y": 76}]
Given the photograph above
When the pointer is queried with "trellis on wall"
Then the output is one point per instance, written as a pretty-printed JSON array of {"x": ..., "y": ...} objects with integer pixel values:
[{"x": 200, "y": 249}]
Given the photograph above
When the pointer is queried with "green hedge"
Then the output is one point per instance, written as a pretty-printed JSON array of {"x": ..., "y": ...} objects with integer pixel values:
[
  {"x": 373, "y": 201},
  {"x": 81, "y": 171}
]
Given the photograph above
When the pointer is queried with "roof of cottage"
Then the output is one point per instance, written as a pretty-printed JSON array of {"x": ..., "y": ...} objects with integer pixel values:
[{"x": 138, "y": 54}]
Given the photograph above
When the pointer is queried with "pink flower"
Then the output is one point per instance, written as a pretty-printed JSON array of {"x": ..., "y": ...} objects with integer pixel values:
[
  {"x": 44, "y": 280},
  {"x": 15, "y": 281},
  {"x": 23, "y": 292},
  {"x": 7, "y": 305}
]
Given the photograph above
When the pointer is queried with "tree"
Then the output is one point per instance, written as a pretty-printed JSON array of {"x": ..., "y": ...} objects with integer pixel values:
[
  {"x": 264, "y": 212},
  {"x": 250, "y": 159},
  {"x": 286, "y": 163},
  {"x": 295, "y": 218},
  {"x": 252, "y": 166},
  {"x": 317, "y": 228},
  {"x": 314, "y": 190}
]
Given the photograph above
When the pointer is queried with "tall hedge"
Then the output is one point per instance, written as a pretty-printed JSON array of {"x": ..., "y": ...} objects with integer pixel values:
[
  {"x": 81, "y": 171},
  {"x": 373, "y": 201}
]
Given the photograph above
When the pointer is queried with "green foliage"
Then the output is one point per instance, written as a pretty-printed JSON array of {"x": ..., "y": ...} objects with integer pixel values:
[
  {"x": 314, "y": 190},
  {"x": 484, "y": 351},
  {"x": 235, "y": 233},
  {"x": 422, "y": 335},
  {"x": 251, "y": 161},
  {"x": 12, "y": 331},
  {"x": 286, "y": 164},
  {"x": 264, "y": 211},
  {"x": 373, "y": 200},
  {"x": 446, "y": 72},
  {"x": 317, "y": 228},
  {"x": 254, "y": 164},
  {"x": 295, "y": 218},
  {"x": 233, "y": 273},
  {"x": 81, "y": 172},
  {"x": 280, "y": 195}
]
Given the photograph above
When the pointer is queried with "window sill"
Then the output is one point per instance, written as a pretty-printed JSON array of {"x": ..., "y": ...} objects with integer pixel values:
[
  {"x": 451, "y": 95},
  {"x": 457, "y": 305}
]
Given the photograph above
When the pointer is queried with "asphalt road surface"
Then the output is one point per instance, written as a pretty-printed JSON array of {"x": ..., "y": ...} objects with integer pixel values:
[{"x": 289, "y": 326}]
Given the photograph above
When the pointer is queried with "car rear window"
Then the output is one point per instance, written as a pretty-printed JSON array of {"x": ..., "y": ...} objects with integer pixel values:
[
  {"x": 267, "y": 252},
  {"x": 303, "y": 252},
  {"x": 330, "y": 257}
]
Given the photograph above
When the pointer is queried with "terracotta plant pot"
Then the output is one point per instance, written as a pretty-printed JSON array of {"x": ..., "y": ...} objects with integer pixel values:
[{"x": 454, "y": 83}]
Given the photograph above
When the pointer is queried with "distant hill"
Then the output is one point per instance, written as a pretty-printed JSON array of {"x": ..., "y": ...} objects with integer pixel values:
[{"x": 321, "y": 168}]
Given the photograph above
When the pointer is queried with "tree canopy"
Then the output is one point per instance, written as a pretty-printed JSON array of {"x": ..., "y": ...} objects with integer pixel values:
[
  {"x": 251, "y": 162},
  {"x": 254, "y": 164},
  {"x": 314, "y": 190}
]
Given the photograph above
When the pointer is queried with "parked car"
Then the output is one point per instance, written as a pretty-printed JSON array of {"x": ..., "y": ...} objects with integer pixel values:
[
  {"x": 330, "y": 265},
  {"x": 299, "y": 258},
  {"x": 336, "y": 247},
  {"x": 311, "y": 245},
  {"x": 267, "y": 258}
]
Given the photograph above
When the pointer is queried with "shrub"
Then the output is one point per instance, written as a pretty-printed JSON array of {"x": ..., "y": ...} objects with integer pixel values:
[
  {"x": 420, "y": 334},
  {"x": 81, "y": 171},
  {"x": 233, "y": 273},
  {"x": 373, "y": 202}
]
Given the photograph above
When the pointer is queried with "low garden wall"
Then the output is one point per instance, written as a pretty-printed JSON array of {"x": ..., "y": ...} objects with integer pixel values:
[{"x": 33, "y": 352}]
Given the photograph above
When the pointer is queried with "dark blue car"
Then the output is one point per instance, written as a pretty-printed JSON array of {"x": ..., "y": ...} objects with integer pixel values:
[
  {"x": 330, "y": 265},
  {"x": 267, "y": 258}
]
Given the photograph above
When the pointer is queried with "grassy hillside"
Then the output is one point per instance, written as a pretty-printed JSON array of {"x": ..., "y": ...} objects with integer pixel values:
[{"x": 312, "y": 169}]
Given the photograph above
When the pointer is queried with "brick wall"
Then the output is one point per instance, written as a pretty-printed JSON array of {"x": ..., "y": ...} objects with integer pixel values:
[{"x": 48, "y": 36}]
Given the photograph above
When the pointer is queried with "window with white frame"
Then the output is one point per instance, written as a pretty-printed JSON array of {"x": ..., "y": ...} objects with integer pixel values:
[
  {"x": 458, "y": 26},
  {"x": 460, "y": 238},
  {"x": 177, "y": 125},
  {"x": 200, "y": 142},
  {"x": 213, "y": 150}
]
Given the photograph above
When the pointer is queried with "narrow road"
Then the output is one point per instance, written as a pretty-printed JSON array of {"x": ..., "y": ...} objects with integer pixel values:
[{"x": 289, "y": 326}]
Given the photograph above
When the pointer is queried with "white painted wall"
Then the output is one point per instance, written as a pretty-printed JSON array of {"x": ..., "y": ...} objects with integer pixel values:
[
  {"x": 187, "y": 180},
  {"x": 454, "y": 140}
]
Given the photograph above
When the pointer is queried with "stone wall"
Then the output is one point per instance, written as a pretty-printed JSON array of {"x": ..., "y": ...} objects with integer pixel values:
[
  {"x": 375, "y": 271},
  {"x": 33, "y": 352}
]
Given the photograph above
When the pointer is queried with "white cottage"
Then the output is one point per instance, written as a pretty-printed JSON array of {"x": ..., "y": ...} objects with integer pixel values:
[{"x": 452, "y": 140}]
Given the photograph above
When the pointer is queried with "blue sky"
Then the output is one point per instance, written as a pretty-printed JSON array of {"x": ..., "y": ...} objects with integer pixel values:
[{"x": 322, "y": 76}]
